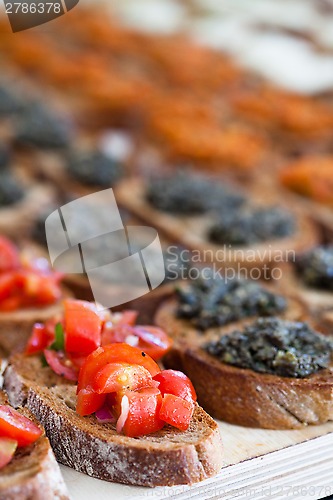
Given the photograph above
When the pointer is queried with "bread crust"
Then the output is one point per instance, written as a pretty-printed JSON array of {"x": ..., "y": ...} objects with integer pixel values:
[
  {"x": 164, "y": 458},
  {"x": 33, "y": 472},
  {"x": 242, "y": 396}
]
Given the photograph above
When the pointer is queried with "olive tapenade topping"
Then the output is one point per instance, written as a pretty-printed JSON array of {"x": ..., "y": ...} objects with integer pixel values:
[
  {"x": 4, "y": 157},
  {"x": 36, "y": 126},
  {"x": 252, "y": 225},
  {"x": 216, "y": 302},
  {"x": 315, "y": 267},
  {"x": 188, "y": 193},
  {"x": 93, "y": 168},
  {"x": 9, "y": 103},
  {"x": 10, "y": 191},
  {"x": 272, "y": 345}
]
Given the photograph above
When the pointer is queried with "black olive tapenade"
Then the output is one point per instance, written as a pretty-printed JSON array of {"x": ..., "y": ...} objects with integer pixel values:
[
  {"x": 93, "y": 168},
  {"x": 188, "y": 193},
  {"x": 272, "y": 345},
  {"x": 9, "y": 102},
  {"x": 5, "y": 157},
  {"x": 36, "y": 126},
  {"x": 315, "y": 267},
  {"x": 248, "y": 226},
  {"x": 216, "y": 302},
  {"x": 10, "y": 190}
]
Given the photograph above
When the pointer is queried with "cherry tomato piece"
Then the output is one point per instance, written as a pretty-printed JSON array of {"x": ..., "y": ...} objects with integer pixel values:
[
  {"x": 88, "y": 401},
  {"x": 142, "y": 411},
  {"x": 116, "y": 376},
  {"x": 60, "y": 364},
  {"x": 114, "y": 353},
  {"x": 15, "y": 426},
  {"x": 83, "y": 327},
  {"x": 127, "y": 317},
  {"x": 40, "y": 339},
  {"x": 176, "y": 411},
  {"x": 153, "y": 340},
  {"x": 7, "y": 283},
  {"x": 176, "y": 383}
]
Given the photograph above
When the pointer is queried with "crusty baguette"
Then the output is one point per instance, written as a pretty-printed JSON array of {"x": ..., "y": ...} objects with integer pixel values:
[
  {"x": 33, "y": 473},
  {"x": 242, "y": 396},
  {"x": 16, "y": 326},
  {"x": 166, "y": 457},
  {"x": 191, "y": 231}
]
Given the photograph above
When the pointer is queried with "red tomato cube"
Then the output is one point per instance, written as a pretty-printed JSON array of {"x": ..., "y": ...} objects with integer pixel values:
[{"x": 176, "y": 411}]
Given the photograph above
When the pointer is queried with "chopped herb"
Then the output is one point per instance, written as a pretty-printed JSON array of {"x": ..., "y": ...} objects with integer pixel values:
[{"x": 59, "y": 343}]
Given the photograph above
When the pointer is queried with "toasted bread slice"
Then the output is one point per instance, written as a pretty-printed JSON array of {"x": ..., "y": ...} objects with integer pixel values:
[
  {"x": 16, "y": 326},
  {"x": 245, "y": 397},
  {"x": 167, "y": 457},
  {"x": 33, "y": 473},
  {"x": 242, "y": 396},
  {"x": 191, "y": 231}
]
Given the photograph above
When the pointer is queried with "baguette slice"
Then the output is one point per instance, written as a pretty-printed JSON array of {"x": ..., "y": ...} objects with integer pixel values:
[
  {"x": 33, "y": 473},
  {"x": 242, "y": 396},
  {"x": 164, "y": 458},
  {"x": 191, "y": 231},
  {"x": 16, "y": 326}
]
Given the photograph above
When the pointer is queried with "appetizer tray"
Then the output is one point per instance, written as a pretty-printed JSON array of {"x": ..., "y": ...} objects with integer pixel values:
[{"x": 259, "y": 464}]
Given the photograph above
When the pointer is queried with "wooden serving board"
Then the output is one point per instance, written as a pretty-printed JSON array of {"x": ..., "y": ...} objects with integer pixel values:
[{"x": 259, "y": 464}]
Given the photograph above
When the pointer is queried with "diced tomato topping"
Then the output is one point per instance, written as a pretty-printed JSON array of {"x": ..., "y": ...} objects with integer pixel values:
[
  {"x": 10, "y": 304},
  {"x": 152, "y": 340},
  {"x": 116, "y": 376},
  {"x": 88, "y": 401},
  {"x": 15, "y": 426},
  {"x": 39, "y": 340},
  {"x": 176, "y": 411},
  {"x": 9, "y": 256},
  {"x": 60, "y": 364},
  {"x": 83, "y": 327},
  {"x": 7, "y": 450},
  {"x": 118, "y": 333},
  {"x": 114, "y": 353},
  {"x": 176, "y": 383},
  {"x": 25, "y": 282},
  {"x": 76, "y": 360},
  {"x": 142, "y": 413},
  {"x": 127, "y": 317},
  {"x": 7, "y": 282}
]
